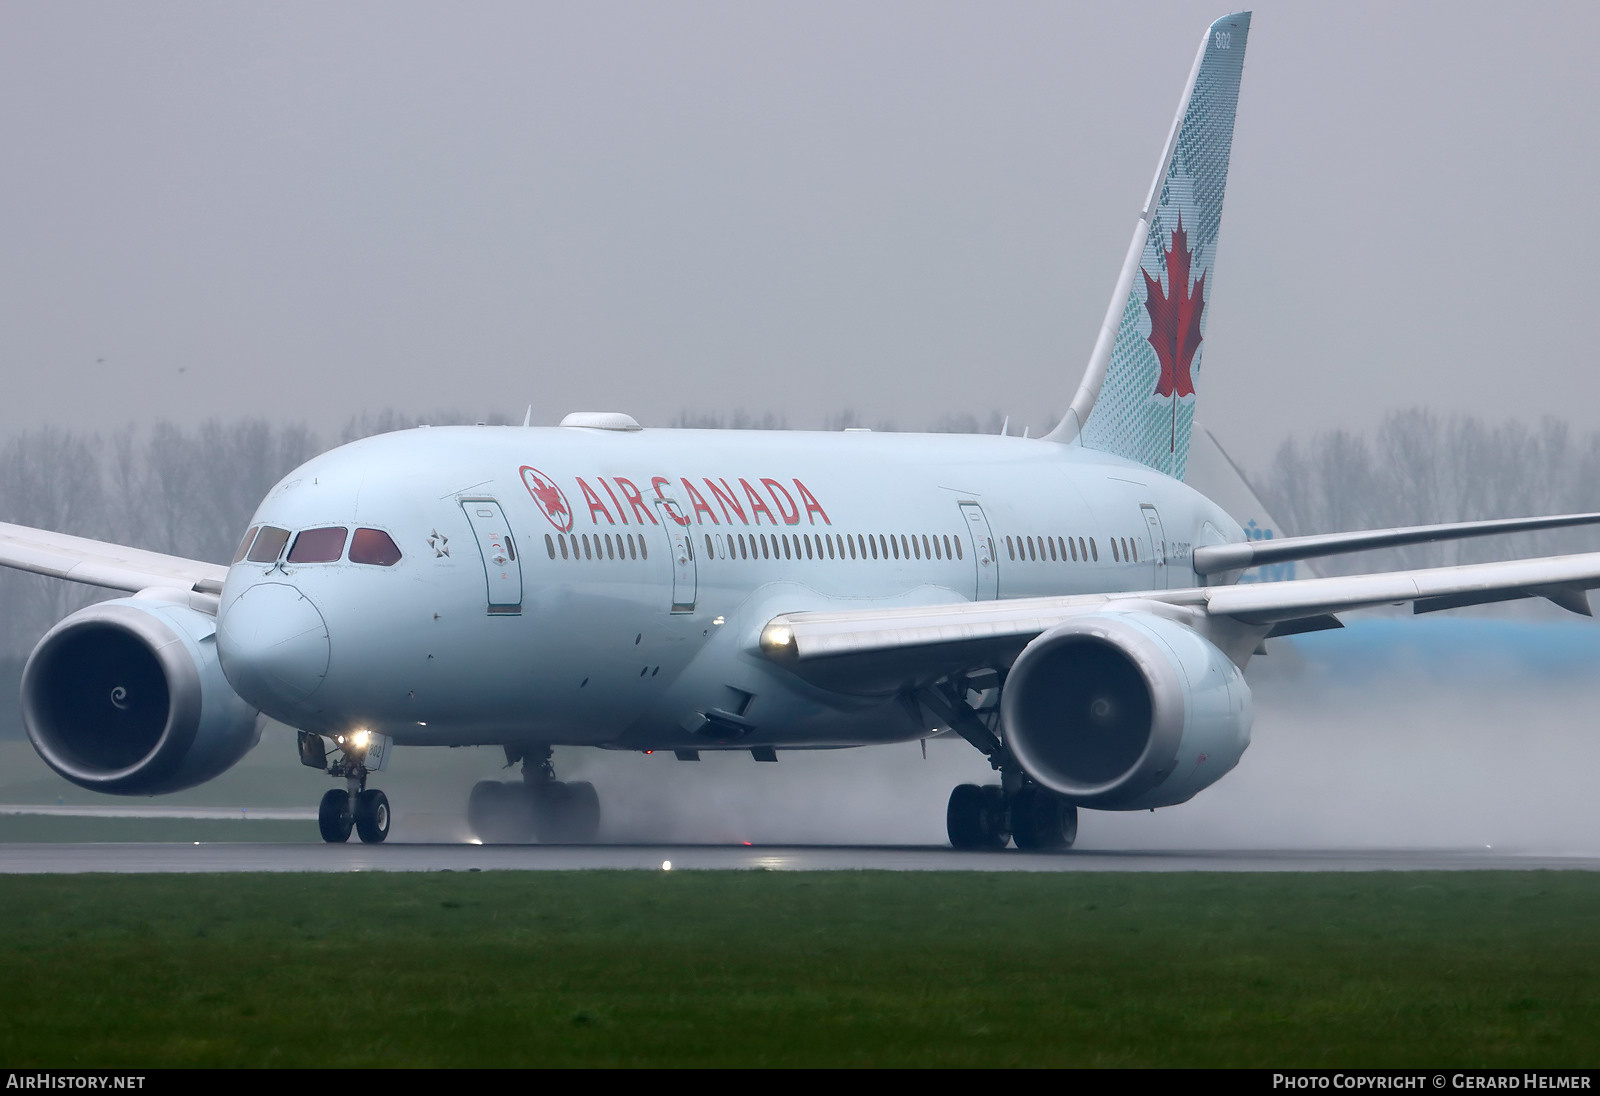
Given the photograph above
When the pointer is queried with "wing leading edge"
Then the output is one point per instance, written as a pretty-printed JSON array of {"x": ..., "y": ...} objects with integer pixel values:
[
  {"x": 101, "y": 563},
  {"x": 876, "y": 649}
]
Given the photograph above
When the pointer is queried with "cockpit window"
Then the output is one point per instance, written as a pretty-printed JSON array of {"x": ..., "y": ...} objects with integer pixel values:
[
  {"x": 318, "y": 545},
  {"x": 374, "y": 546},
  {"x": 269, "y": 544},
  {"x": 244, "y": 545}
]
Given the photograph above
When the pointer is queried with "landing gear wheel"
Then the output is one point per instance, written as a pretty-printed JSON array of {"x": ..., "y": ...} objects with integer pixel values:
[
  {"x": 567, "y": 813},
  {"x": 975, "y": 818},
  {"x": 333, "y": 817},
  {"x": 498, "y": 813},
  {"x": 1041, "y": 819},
  {"x": 372, "y": 816}
]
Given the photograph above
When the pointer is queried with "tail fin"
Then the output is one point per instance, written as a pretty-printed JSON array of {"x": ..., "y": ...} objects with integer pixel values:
[{"x": 1137, "y": 396}]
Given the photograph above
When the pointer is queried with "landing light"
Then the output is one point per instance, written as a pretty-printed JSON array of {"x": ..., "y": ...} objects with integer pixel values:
[{"x": 777, "y": 641}]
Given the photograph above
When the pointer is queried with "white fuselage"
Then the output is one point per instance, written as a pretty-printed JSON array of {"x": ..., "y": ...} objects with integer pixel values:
[{"x": 607, "y": 587}]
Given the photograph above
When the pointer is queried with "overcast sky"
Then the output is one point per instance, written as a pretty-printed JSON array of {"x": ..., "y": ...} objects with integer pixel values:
[{"x": 309, "y": 210}]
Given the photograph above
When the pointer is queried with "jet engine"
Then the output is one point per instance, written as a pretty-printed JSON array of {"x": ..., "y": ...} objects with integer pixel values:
[
  {"x": 1125, "y": 710},
  {"x": 127, "y": 697}
]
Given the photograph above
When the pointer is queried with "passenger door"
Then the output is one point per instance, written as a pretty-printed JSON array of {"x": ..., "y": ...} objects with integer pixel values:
[{"x": 502, "y": 571}]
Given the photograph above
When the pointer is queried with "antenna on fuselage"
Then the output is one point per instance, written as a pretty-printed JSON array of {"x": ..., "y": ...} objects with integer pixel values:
[
  {"x": 1004, "y": 426},
  {"x": 527, "y": 420}
]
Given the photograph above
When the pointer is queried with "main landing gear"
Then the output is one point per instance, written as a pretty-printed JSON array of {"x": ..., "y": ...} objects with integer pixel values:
[
  {"x": 987, "y": 818},
  {"x": 356, "y": 806},
  {"x": 537, "y": 807},
  {"x": 1017, "y": 809}
]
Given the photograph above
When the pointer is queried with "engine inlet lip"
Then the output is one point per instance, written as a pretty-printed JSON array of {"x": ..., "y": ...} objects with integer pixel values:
[
  {"x": 183, "y": 690},
  {"x": 1166, "y": 702}
]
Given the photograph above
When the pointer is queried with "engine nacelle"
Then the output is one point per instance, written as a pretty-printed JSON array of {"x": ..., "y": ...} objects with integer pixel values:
[
  {"x": 127, "y": 697},
  {"x": 1125, "y": 710}
]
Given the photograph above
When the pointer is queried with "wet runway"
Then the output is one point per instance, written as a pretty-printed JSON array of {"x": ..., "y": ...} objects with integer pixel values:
[{"x": 53, "y": 858}]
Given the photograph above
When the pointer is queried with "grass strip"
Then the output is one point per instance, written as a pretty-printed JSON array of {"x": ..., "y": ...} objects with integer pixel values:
[{"x": 1468, "y": 969}]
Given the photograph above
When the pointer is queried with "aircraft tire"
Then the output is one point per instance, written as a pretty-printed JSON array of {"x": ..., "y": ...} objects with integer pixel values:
[
  {"x": 581, "y": 813},
  {"x": 1041, "y": 819},
  {"x": 975, "y": 817},
  {"x": 372, "y": 816},
  {"x": 498, "y": 813},
  {"x": 567, "y": 813},
  {"x": 333, "y": 816}
]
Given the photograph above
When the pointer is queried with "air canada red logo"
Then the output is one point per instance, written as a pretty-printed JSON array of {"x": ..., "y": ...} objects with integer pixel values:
[
  {"x": 549, "y": 497},
  {"x": 1175, "y": 321}
]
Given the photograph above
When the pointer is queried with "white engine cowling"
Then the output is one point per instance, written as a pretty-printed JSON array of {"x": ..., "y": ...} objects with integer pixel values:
[
  {"x": 1125, "y": 710},
  {"x": 127, "y": 697}
]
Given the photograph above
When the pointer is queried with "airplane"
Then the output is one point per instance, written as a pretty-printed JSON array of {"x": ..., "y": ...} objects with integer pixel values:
[{"x": 1067, "y": 604}]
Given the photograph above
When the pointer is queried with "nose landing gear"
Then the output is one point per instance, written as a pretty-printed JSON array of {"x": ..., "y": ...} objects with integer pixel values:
[{"x": 356, "y": 807}]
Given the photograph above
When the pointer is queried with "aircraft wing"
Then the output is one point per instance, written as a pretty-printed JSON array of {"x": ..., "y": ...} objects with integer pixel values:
[
  {"x": 100, "y": 563},
  {"x": 874, "y": 649}
]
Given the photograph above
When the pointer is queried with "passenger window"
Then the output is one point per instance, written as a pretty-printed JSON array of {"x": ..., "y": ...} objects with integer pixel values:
[
  {"x": 244, "y": 545},
  {"x": 550, "y": 546},
  {"x": 269, "y": 545},
  {"x": 319, "y": 545},
  {"x": 711, "y": 553},
  {"x": 563, "y": 542},
  {"x": 1052, "y": 546},
  {"x": 1010, "y": 551},
  {"x": 1094, "y": 552},
  {"x": 372, "y": 546},
  {"x": 958, "y": 549}
]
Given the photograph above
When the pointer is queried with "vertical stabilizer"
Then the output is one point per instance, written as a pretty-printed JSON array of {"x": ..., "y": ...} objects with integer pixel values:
[{"x": 1138, "y": 395}]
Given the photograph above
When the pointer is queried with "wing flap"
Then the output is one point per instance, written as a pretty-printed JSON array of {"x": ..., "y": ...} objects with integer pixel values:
[
  {"x": 1472, "y": 584},
  {"x": 101, "y": 563}
]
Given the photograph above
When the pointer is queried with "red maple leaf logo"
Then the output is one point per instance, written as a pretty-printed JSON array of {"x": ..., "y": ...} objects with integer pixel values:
[
  {"x": 549, "y": 498},
  {"x": 1175, "y": 322}
]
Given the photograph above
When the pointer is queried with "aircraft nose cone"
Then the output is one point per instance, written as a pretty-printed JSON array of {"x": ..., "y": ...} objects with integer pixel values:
[{"x": 273, "y": 645}]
